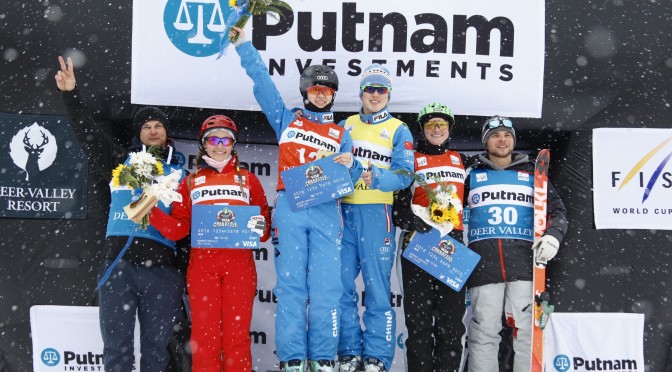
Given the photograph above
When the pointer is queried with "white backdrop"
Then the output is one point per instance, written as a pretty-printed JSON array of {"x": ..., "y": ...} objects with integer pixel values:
[
  {"x": 632, "y": 178},
  {"x": 594, "y": 342},
  {"x": 175, "y": 47}
]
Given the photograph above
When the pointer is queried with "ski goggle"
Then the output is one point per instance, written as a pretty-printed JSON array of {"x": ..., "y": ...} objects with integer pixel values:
[
  {"x": 436, "y": 123},
  {"x": 498, "y": 122},
  {"x": 371, "y": 89},
  {"x": 224, "y": 141},
  {"x": 317, "y": 89}
]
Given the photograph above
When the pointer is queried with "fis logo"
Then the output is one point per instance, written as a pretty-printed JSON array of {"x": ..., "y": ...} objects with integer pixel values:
[
  {"x": 481, "y": 177},
  {"x": 33, "y": 149},
  {"x": 195, "y": 26},
  {"x": 657, "y": 174}
]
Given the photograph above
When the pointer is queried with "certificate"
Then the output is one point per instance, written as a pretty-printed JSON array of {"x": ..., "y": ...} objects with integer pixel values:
[
  {"x": 444, "y": 258},
  {"x": 316, "y": 182},
  {"x": 223, "y": 226}
]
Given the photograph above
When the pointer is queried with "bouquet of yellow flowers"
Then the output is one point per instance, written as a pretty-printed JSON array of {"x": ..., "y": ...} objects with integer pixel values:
[
  {"x": 443, "y": 211},
  {"x": 243, "y": 10},
  {"x": 140, "y": 174}
]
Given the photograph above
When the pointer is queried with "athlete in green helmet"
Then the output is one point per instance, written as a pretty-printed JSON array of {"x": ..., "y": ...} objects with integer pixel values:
[{"x": 433, "y": 311}]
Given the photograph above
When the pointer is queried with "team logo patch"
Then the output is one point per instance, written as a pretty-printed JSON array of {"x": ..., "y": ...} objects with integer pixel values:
[
  {"x": 333, "y": 132},
  {"x": 387, "y": 241},
  {"x": 385, "y": 134},
  {"x": 522, "y": 176},
  {"x": 236, "y": 179},
  {"x": 454, "y": 159},
  {"x": 422, "y": 161},
  {"x": 481, "y": 177},
  {"x": 199, "y": 180}
]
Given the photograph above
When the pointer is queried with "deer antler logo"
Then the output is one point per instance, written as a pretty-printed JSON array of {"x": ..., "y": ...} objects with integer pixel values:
[{"x": 33, "y": 149}]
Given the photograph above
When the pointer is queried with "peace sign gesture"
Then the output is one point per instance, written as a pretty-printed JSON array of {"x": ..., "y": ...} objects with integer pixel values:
[{"x": 65, "y": 79}]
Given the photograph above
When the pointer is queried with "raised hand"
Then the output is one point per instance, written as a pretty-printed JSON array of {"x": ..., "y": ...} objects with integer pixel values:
[
  {"x": 236, "y": 31},
  {"x": 65, "y": 78}
]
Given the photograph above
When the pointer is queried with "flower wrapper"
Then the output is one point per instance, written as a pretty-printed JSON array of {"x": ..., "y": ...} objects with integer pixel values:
[{"x": 138, "y": 211}]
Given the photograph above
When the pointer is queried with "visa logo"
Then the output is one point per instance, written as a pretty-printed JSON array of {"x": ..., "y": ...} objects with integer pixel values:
[
  {"x": 344, "y": 191},
  {"x": 452, "y": 283},
  {"x": 251, "y": 244}
]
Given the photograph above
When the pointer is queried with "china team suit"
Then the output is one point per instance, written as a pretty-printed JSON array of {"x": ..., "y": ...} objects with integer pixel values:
[
  {"x": 221, "y": 282},
  {"x": 145, "y": 277},
  {"x": 386, "y": 145},
  {"x": 308, "y": 242},
  {"x": 433, "y": 311},
  {"x": 501, "y": 202}
]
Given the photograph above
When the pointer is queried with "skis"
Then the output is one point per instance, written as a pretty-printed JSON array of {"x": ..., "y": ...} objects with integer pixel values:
[{"x": 541, "y": 308}]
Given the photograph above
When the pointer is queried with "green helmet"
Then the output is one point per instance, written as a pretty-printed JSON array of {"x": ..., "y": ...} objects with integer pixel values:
[{"x": 435, "y": 109}]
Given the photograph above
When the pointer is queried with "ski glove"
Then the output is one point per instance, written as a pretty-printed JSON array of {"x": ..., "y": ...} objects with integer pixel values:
[
  {"x": 420, "y": 225},
  {"x": 545, "y": 248},
  {"x": 257, "y": 224}
]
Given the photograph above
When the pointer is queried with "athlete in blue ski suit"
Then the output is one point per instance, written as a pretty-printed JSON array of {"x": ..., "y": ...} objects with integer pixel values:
[
  {"x": 308, "y": 242},
  {"x": 385, "y": 144}
]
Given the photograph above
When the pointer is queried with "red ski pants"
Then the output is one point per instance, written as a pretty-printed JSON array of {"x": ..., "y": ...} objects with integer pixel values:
[{"x": 221, "y": 285}]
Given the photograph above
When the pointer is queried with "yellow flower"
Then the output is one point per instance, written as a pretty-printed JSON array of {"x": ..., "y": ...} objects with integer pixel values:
[
  {"x": 115, "y": 174},
  {"x": 454, "y": 217},
  {"x": 233, "y": 3},
  {"x": 439, "y": 213},
  {"x": 159, "y": 168}
]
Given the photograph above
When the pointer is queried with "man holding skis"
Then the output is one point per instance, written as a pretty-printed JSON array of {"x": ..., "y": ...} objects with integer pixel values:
[{"x": 500, "y": 193}]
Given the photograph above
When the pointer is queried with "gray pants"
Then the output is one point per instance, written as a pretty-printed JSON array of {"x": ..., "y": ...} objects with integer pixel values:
[{"x": 487, "y": 302}]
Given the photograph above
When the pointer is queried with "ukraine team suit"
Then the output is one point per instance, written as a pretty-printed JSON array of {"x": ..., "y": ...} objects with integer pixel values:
[
  {"x": 500, "y": 230},
  {"x": 385, "y": 144},
  {"x": 221, "y": 282},
  {"x": 145, "y": 276},
  {"x": 308, "y": 242},
  {"x": 433, "y": 311}
]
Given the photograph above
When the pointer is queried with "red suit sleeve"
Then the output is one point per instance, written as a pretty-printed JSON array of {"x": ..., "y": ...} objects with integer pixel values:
[
  {"x": 177, "y": 225},
  {"x": 258, "y": 198}
]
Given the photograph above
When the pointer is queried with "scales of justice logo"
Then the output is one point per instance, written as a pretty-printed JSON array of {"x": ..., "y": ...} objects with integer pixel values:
[
  {"x": 33, "y": 149},
  {"x": 196, "y": 27}
]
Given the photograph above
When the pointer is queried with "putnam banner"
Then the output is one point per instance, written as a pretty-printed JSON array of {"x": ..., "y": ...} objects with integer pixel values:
[
  {"x": 579, "y": 342},
  {"x": 632, "y": 178},
  {"x": 67, "y": 338},
  {"x": 483, "y": 57},
  {"x": 44, "y": 171}
]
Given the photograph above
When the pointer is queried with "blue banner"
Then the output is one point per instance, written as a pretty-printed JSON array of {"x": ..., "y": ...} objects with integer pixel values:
[
  {"x": 444, "y": 258},
  {"x": 316, "y": 182},
  {"x": 223, "y": 226}
]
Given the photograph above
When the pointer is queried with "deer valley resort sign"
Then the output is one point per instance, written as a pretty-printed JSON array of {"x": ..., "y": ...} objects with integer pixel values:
[{"x": 43, "y": 170}]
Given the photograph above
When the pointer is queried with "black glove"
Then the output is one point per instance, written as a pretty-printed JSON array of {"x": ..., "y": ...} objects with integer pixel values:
[{"x": 420, "y": 225}]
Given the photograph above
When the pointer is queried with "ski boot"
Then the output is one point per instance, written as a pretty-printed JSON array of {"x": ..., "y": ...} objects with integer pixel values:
[
  {"x": 321, "y": 366},
  {"x": 374, "y": 365},
  {"x": 293, "y": 365},
  {"x": 350, "y": 363}
]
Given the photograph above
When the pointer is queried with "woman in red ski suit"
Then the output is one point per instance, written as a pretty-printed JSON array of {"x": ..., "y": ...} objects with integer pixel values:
[{"x": 221, "y": 282}]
